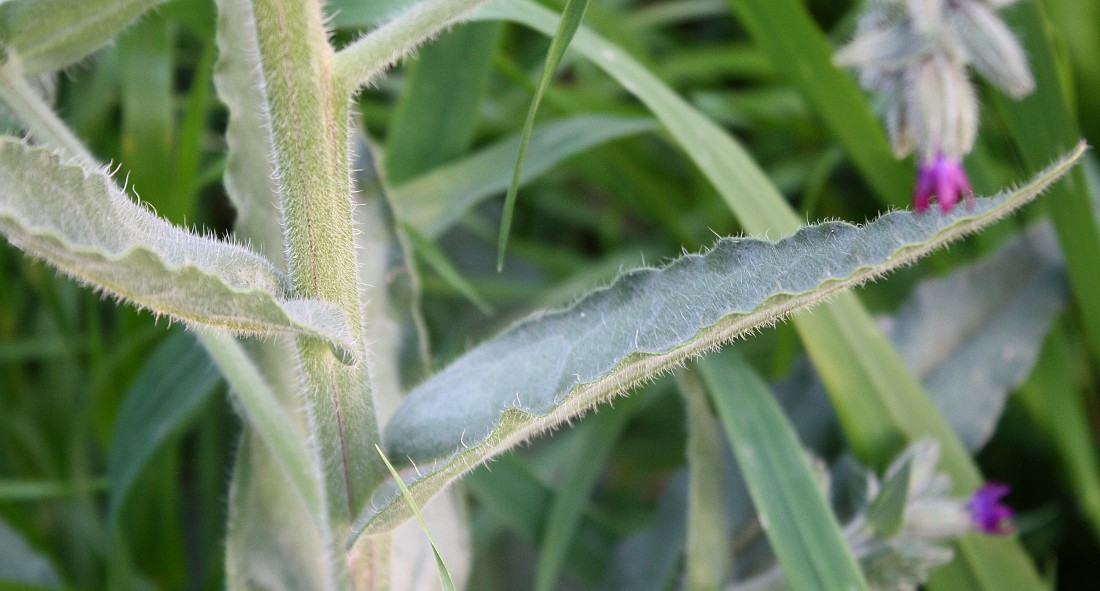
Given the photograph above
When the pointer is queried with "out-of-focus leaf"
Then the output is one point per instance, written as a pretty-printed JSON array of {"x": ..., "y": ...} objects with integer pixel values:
[
  {"x": 435, "y": 200},
  {"x": 411, "y": 563},
  {"x": 178, "y": 377},
  {"x": 274, "y": 543},
  {"x": 800, "y": 525},
  {"x": 80, "y": 221},
  {"x": 1036, "y": 135},
  {"x": 1052, "y": 397},
  {"x": 356, "y": 14},
  {"x": 598, "y": 437},
  {"x": 22, "y": 565},
  {"x": 47, "y": 35},
  {"x": 886, "y": 513},
  {"x": 801, "y": 52},
  {"x": 973, "y": 336},
  {"x": 708, "y": 549},
  {"x": 555, "y": 365},
  {"x": 435, "y": 116}
]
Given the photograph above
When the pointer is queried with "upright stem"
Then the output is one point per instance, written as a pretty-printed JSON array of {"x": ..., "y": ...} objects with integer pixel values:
[{"x": 308, "y": 121}]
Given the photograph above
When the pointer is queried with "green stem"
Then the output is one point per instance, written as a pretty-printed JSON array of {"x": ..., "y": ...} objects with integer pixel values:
[
  {"x": 308, "y": 120},
  {"x": 370, "y": 56}
]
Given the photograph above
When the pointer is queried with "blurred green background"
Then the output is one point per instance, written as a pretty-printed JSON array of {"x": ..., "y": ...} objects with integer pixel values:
[{"x": 74, "y": 369}]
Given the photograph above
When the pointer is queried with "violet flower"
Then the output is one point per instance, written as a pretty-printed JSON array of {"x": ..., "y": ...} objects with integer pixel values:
[
  {"x": 917, "y": 55},
  {"x": 944, "y": 178},
  {"x": 987, "y": 511}
]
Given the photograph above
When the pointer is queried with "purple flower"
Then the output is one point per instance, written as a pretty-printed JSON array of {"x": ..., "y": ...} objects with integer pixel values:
[
  {"x": 987, "y": 512},
  {"x": 944, "y": 178}
]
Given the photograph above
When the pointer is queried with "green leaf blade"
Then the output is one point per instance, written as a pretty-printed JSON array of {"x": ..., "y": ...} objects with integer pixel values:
[
  {"x": 555, "y": 365},
  {"x": 176, "y": 380},
  {"x": 800, "y": 525},
  {"x": 80, "y": 222}
]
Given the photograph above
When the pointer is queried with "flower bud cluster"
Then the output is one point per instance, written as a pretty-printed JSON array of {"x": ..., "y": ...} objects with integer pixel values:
[{"x": 917, "y": 55}]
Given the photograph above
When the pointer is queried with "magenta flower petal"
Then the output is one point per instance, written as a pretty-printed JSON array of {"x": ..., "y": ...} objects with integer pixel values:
[
  {"x": 943, "y": 178},
  {"x": 988, "y": 513}
]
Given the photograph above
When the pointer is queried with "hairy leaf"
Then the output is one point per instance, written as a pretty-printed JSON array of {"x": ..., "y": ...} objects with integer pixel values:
[
  {"x": 555, "y": 365},
  {"x": 47, "y": 35},
  {"x": 81, "y": 222},
  {"x": 249, "y": 176}
]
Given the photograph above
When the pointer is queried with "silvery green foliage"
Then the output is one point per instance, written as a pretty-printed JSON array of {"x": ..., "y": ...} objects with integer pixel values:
[
  {"x": 555, "y": 365},
  {"x": 80, "y": 221},
  {"x": 916, "y": 53}
]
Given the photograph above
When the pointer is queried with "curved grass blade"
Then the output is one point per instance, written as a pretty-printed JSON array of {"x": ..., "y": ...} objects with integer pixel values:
[
  {"x": 79, "y": 221},
  {"x": 570, "y": 21},
  {"x": 555, "y": 365},
  {"x": 437, "y": 260},
  {"x": 800, "y": 525}
]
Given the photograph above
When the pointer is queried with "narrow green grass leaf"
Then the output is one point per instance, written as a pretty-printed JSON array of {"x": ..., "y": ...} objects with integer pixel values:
[
  {"x": 802, "y": 54},
  {"x": 145, "y": 56},
  {"x": 176, "y": 380},
  {"x": 571, "y": 19},
  {"x": 1054, "y": 400},
  {"x": 47, "y": 35},
  {"x": 78, "y": 220},
  {"x": 444, "y": 575},
  {"x": 800, "y": 525},
  {"x": 555, "y": 365},
  {"x": 708, "y": 550},
  {"x": 438, "y": 261},
  {"x": 1037, "y": 137},
  {"x": 437, "y": 111},
  {"x": 435, "y": 200},
  {"x": 569, "y": 504},
  {"x": 192, "y": 131}
]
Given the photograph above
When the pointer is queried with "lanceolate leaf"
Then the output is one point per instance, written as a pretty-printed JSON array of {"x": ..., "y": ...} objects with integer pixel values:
[
  {"x": 81, "y": 222},
  {"x": 555, "y": 365},
  {"x": 47, "y": 35}
]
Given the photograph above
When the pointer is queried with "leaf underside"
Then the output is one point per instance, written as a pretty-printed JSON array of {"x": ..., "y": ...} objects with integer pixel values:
[
  {"x": 81, "y": 222},
  {"x": 555, "y": 365}
]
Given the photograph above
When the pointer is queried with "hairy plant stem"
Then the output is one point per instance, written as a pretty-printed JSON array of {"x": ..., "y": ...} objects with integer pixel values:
[
  {"x": 308, "y": 125},
  {"x": 361, "y": 62}
]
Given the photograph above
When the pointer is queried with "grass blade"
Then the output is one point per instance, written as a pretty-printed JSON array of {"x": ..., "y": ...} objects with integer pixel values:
[
  {"x": 800, "y": 525},
  {"x": 570, "y": 21},
  {"x": 444, "y": 575}
]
